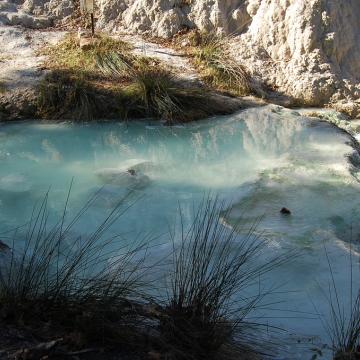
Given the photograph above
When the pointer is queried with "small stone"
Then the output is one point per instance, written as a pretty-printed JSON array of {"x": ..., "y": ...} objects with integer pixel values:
[
  {"x": 285, "y": 211},
  {"x": 3, "y": 247}
]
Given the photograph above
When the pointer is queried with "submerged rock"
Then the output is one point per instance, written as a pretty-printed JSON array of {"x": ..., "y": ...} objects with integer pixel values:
[
  {"x": 345, "y": 230},
  {"x": 124, "y": 178},
  {"x": 3, "y": 247},
  {"x": 131, "y": 174},
  {"x": 285, "y": 211}
]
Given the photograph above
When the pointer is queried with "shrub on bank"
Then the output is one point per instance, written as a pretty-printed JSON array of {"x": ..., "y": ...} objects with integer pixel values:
[
  {"x": 57, "y": 283},
  {"x": 105, "y": 80},
  {"x": 155, "y": 92},
  {"x": 211, "y": 55},
  {"x": 91, "y": 293},
  {"x": 68, "y": 95}
]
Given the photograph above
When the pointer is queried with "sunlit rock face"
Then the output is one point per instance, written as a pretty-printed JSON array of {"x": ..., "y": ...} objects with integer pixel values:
[
  {"x": 165, "y": 18},
  {"x": 57, "y": 9},
  {"x": 308, "y": 51}
]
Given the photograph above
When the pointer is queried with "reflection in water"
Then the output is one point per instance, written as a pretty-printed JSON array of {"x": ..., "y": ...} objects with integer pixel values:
[
  {"x": 263, "y": 135},
  {"x": 260, "y": 159}
]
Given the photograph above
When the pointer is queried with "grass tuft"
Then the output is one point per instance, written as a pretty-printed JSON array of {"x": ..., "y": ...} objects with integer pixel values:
[
  {"x": 107, "y": 80},
  {"x": 60, "y": 282},
  {"x": 75, "y": 88},
  {"x": 104, "y": 80},
  {"x": 343, "y": 326},
  {"x": 69, "y": 56},
  {"x": 155, "y": 91},
  {"x": 64, "y": 94},
  {"x": 209, "y": 299},
  {"x": 219, "y": 69}
]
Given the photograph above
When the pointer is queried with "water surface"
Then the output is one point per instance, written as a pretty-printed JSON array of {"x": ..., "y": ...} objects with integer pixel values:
[{"x": 260, "y": 159}]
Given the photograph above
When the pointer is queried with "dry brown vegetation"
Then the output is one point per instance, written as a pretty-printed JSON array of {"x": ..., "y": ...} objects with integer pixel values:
[
  {"x": 107, "y": 80},
  {"x": 210, "y": 54},
  {"x": 89, "y": 296}
]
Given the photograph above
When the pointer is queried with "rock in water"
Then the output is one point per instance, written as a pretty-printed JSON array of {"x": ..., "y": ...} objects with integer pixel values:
[
  {"x": 131, "y": 174},
  {"x": 124, "y": 178},
  {"x": 3, "y": 247},
  {"x": 285, "y": 211}
]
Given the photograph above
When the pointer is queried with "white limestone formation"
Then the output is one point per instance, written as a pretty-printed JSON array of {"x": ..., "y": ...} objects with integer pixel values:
[{"x": 306, "y": 50}]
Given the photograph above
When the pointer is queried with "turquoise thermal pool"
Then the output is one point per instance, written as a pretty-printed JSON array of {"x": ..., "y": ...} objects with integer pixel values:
[{"x": 260, "y": 160}]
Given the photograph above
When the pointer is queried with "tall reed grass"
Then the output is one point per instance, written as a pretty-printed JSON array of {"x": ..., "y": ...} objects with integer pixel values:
[
  {"x": 57, "y": 276},
  {"x": 219, "y": 68},
  {"x": 343, "y": 322},
  {"x": 215, "y": 287},
  {"x": 100, "y": 288}
]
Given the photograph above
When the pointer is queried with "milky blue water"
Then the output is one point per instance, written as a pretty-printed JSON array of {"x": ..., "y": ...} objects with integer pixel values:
[{"x": 260, "y": 159}]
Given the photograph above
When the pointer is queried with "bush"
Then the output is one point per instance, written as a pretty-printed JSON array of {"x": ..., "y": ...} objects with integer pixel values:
[
  {"x": 218, "y": 67},
  {"x": 343, "y": 326},
  {"x": 67, "y": 95},
  {"x": 67, "y": 55},
  {"x": 208, "y": 301},
  {"x": 74, "y": 88},
  {"x": 155, "y": 92},
  {"x": 106, "y": 81},
  {"x": 72, "y": 284}
]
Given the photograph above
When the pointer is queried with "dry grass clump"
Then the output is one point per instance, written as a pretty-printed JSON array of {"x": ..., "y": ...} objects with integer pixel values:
[
  {"x": 60, "y": 283},
  {"x": 343, "y": 324},
  {"x": 67, "y": 55},
  {"x": 105, "y": 81},
  {"x": 209, "y": 298},
  {"x": 155, "y": 91},
  {"x": 219, "y": 69},
  {"x": 75, "y": 88},
  {"x": 67, "y": 95}
]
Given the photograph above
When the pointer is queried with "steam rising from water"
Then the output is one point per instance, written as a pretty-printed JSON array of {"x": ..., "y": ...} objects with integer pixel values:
[{"x": 260, "y": 159}]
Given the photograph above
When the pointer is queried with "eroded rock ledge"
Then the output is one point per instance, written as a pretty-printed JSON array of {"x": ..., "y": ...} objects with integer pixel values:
[{"x": 308, "y": 51}]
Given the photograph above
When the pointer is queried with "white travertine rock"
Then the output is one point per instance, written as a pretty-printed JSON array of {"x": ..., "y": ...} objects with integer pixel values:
[
  {"x": 57, "y": 9},
  {"x": 7, "y": 6},
  {"x": 307, "y": 50}
]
